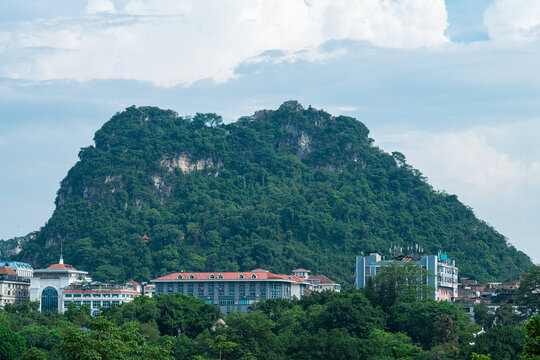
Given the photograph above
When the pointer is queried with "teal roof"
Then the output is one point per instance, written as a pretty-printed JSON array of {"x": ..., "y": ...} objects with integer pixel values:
[{"x": 16, "y": 264}]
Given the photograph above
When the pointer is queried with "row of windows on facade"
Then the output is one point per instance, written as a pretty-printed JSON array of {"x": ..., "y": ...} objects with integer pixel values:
[
  {"x": 94, "y": 304},
  {"x": 99, "y": 295},
  {"x": 16, "y": 292},
  {"x": 222, "y": 289},
  {"x": 220, "y": 276}
]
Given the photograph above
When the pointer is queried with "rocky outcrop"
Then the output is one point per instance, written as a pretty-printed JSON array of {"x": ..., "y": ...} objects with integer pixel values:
[{"x": 187, "y": 165}]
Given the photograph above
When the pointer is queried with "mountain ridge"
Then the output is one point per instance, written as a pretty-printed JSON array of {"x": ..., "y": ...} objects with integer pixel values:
[{"x": 278, "y": 189}]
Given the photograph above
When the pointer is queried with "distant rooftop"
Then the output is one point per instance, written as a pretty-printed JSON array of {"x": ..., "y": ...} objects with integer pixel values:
[
  {"x": 257, "y": 274},
  {"x": 16, "y": 264},
  {"x": 7, "y": 270}
]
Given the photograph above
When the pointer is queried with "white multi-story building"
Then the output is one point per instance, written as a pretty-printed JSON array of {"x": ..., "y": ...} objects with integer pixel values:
[
  {"x": 317, "y": 282},
  {"x": 47, "y": 284},
  {"x": 98, "y": 296},
  {"x": 13, "y": 288}
]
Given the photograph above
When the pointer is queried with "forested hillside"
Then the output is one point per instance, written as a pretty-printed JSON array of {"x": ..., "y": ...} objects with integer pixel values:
[{"x": 280, "y": 189}]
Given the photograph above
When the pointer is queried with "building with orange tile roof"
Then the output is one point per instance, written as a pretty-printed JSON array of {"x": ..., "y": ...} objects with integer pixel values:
[
  {"x": 317, "y": 282},
  {"x": 14, "y": 289},
  {"x": 232, "y": 291}
]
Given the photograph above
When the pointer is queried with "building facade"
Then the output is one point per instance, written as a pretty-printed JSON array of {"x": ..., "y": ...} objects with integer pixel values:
[
  {"x": 14, "y": 289},
  {"x": 444, "y": 281},
  {"x": 47, "y": 284},
  {"x": 317, "y": 282},
  {"x": 22, "y": 269},
  {"x": 99, "y": 295},
  {"x": 232, "y": 291}
]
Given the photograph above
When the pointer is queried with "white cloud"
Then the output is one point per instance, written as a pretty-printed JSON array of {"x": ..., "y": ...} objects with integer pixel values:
[
  {"x": 482, "y": 167},
  {"x": 180, "y": 42},
  {"x": 513, "y": 20},
  {"x": 471, "y": 163},
  {"x": 99, "y": 6}
]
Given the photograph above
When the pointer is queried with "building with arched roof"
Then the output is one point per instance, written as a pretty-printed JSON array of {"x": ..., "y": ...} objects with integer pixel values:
[{"x": 48, "y": 284}]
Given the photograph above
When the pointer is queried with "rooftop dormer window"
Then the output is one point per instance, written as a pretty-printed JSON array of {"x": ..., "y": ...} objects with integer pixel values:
[
  {"x": 212, "y": 276},
  {"x": 191, "y": 276},
  {"x": 179, "y": 276},
  {"x": 241, "y": 276},
  {"x": 253, "y": 276},
  {"x": 220, "y": 276}
]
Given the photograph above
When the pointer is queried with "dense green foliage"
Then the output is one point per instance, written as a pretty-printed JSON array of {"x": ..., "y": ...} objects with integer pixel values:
[
  {"x": 279, "y": 189},
  {"x": 324, "y": 325},
  {"x": 531, "y": 349},
  {"x": 528, "y": 296},
  {"x": 501, "y": 342}
]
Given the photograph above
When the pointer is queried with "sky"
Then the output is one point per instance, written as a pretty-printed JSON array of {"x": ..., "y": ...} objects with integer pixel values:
[{"x": 453, "y": 85}]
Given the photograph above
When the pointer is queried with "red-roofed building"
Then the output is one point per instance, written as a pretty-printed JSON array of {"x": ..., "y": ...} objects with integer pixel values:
[
  {"x": 14, "y": 289},
  {"x": 317, "y": 282},
  {"x": 232, "y": 291}
]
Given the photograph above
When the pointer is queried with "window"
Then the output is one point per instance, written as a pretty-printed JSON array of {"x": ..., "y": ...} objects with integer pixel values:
[
  {"x": 220, "y": 276},
  {"x": 106, "y": 304},
  {"x": 76, "y": 295},
  {"x": 243, "y": 302},
  {"x": 240, "y": 276},
  {"x": 87, "y": 303},
  {"x": 49, "y": 299},
  {"x": 231, "y": 289},
  {"x": 106, "y": 295},
  {"x": 200, "y": 290},
  {"x": 210, "y": 289},
  {"x": 192, "y": 276},
  {"x": 253, "y": 276},
  {"x": 190, "y": 289},
  {"x": 252, "y": 289},
  {"x": 114, "y": 295},
  {"x": 212, "y": 276},
  {"x": 116, "y": 302},
  {"x": 221, "y": 289},
  {"x": 226, "y": 302},
  {"x": 87, "y": 295},
  {"x": 159, "y": 288},
  {"x": 96, "y": 304},
  {"x": 68, "y": 295},
  {"x": 242, "y": 289},
  {"x": 209, "y": 301},
  {"x": 96, "y": 295},
  {"x": 179, "y": 276}
]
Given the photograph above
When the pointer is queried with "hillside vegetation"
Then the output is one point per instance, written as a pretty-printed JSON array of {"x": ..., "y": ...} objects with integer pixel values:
[{"x": 280, "y": 189}]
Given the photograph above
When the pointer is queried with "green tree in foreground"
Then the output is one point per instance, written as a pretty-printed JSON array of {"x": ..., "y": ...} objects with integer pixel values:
[
  {"x": 483, "y": 316},
  {"x": 401, "y": 280},
  {"x": 11, "y": 344},
  {"x": 531, "y": 350},
  {"x": 501, "y": 342},
  {"x": 34, "y": 354},
  {"x": 528, "y": 294},
  {"x": 475, "y": 356},
  {"x": 105, "y": 340}
]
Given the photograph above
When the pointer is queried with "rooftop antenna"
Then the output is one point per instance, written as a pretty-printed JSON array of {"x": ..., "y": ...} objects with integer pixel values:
[{"x": 61, "y": 252}]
